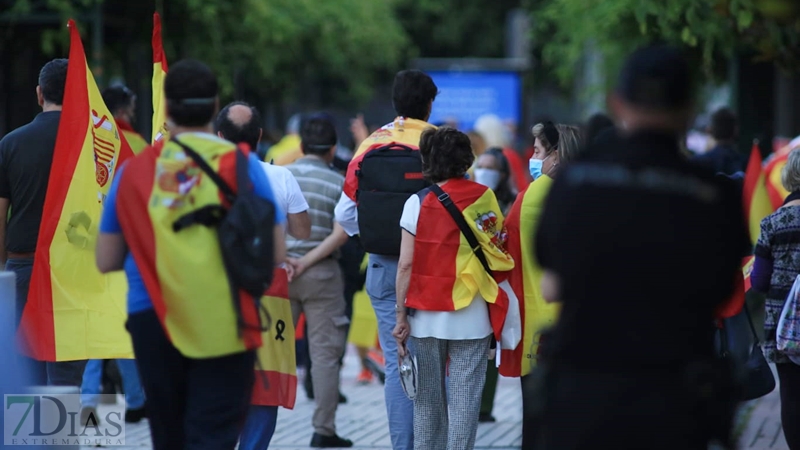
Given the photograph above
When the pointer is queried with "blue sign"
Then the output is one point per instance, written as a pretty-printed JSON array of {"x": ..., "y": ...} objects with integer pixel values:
[{"x": 465, "y": 96}]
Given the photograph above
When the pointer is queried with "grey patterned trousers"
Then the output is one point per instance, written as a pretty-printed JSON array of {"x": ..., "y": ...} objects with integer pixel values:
[{"x": 446, "y": 416}]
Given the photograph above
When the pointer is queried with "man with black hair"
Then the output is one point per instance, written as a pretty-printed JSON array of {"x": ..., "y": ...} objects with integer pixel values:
[
  {"x": 240, "y": 123},
  {"x": 26, "y": 155},
  {"x": 194, "y": 341},
  {"x": 318, "y": 290},
  {"x": 121, "y": 102},
  {"x": 413, "y": 94},
  {"x": 724, "y": 157},
  {"x": 641, "y": 247}
]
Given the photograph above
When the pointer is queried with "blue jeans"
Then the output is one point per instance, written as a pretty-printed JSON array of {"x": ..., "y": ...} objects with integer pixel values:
[
  {"x": 258, "y": 428},
  {"x": 92, "y": 381},
  {"x": 381, "y": 275},
  {"x": 40, "y": 373}
]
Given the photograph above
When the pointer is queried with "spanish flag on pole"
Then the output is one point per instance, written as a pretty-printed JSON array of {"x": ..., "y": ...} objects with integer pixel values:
[
  {"x": 73, "y": 311},
  {"x": 526, "y": 279},
  {"x": 159, "y": 74},
  {"x": 757, "y": 203},
  {"x": 276, "y": 370}
]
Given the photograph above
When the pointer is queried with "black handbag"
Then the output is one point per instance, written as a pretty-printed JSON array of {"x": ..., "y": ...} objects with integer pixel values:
[{"x": 737, "y": 342}]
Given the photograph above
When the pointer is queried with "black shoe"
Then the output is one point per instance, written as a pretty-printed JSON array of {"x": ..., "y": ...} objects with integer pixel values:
[
  {"x": 89, "y": 416},
  {"x": 320, "y": 441},
  {"x": 342, "y": 398},
  {"x": 135, "y": 415},
  {"x": 486, "y": 418}
]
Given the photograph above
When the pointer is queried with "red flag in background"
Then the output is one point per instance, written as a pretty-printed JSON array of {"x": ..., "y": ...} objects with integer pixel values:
[{"x": 757, "y": 203}]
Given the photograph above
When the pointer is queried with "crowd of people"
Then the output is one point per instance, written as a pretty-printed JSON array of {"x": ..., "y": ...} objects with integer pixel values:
[{"x": 610, "y": 255}]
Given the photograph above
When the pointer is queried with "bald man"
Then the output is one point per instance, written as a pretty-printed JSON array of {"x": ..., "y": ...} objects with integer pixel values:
[{"x": 240, "y": 123}]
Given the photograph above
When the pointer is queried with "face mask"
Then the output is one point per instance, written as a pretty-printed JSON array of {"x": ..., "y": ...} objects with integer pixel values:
[
  {"x": 535, "y": 166},
  {"x": 487, "y": 177}
]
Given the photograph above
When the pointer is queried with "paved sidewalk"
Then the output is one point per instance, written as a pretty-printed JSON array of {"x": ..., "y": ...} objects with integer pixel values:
[{"x": 363, "y": 419}]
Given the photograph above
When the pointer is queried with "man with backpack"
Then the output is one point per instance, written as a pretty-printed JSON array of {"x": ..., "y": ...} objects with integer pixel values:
[
  {"x": 385, "y": 171},
  {"x": 193, "y": 223}
]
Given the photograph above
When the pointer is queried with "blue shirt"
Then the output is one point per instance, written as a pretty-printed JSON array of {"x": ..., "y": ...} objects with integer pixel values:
[{"x": 138, "y": 298}]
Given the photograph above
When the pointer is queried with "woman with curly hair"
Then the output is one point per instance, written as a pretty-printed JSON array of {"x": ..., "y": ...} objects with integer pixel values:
[{"x": 445, "y": 292}]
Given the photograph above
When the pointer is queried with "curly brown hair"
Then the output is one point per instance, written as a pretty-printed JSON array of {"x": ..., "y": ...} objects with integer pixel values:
[{"x": 446, "y": 153}]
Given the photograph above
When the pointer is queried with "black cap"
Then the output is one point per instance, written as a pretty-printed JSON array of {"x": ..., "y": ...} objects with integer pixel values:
[{"x": 656, "y": 77}]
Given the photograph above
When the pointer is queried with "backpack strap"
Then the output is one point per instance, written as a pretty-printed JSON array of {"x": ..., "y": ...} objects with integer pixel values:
[
  {"x": 458, "y": 216},
  {"x": 226, "y": 190}
]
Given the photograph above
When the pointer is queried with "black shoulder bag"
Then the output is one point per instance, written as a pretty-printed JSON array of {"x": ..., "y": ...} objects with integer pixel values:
[{"x": 458, "y": 216}]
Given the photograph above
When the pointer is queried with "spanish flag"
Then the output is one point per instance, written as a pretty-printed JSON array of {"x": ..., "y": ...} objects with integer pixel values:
[
  {"x": 452, "y": 275},
  {"x": 526, "y": 279},
  {"x": 742, "y": 285},
  {"x": 401, "y": 131},
  {"x": 159, "y": 74},
  {"x": 276, "y": 370},
  {"x": 73, "y": 311},
  {"x": 777, "y": 193},
  {"x": 757, "y": 203}
]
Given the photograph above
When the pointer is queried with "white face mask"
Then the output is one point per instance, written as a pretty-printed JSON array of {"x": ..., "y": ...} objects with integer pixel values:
[{"x": 487, "y": 177}]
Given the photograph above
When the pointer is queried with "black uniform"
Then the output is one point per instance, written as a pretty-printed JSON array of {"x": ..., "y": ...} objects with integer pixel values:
[{"x": 646, "y": 245}]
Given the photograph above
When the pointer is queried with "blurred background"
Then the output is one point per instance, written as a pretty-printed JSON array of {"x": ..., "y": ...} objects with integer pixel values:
[{"x": 523, "y": 60}]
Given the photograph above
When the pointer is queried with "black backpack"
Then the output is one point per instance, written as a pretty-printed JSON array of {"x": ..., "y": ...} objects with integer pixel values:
[
  {"x": 387, "y": 177},
  {"x": 245, "y": 232}
]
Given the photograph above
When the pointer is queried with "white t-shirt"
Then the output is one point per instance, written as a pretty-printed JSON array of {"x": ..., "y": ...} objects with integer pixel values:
[
  {"x": 471, "y": 322},
  {"x": 285, "y": 189}
]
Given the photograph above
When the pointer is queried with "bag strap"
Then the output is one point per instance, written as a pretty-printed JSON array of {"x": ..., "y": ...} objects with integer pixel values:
[
  {"x": 458, "y": 216},
  {"x": 226, "y": 190},
  {"x": 750, "y": 321}
]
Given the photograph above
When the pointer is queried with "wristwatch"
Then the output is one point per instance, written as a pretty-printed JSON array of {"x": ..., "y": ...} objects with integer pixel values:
[{"x": 397, "y": 308}]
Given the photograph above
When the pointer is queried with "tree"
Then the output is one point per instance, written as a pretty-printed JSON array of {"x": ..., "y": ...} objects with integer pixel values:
[
  {"x": 272, "y": 46},
  {"x": 712, "y": 31},
  {"x": 456, "y": 28}
]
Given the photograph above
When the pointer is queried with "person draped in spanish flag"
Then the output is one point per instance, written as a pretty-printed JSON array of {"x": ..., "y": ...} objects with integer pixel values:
[
  {"x": 240, "y": 123},
  {"x": 445, "y": 293},
  {"x": 195, "y": 362},
  {"x": 121, "y": 101},
  {"x": 554, "y": 146},
  {"x": 372, "y": 217}
]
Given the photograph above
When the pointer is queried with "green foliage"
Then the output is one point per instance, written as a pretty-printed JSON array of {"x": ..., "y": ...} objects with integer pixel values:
[
  {"x": 271, "y": 45},
  {"x": 456, "y": 28},
  {"x": 275, "y": 43},
  {"x": 711, "y": 30}
]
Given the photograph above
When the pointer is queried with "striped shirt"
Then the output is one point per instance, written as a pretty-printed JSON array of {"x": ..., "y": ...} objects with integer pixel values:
[{"x": 322, "y": 187}]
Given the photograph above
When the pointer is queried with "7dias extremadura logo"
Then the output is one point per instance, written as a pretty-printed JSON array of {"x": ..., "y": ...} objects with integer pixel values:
[{"x": 55, "y": 419}]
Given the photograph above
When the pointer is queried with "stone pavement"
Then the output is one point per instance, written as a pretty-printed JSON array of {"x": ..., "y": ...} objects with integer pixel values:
[{"x": 363, "y": 419}]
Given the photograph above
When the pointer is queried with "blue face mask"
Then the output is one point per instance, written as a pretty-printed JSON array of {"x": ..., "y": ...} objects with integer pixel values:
[{"x": 535, "y": 166}]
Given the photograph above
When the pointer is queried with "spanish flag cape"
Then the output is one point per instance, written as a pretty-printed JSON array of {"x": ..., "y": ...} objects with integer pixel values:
[
  {"x": 276, "y": 370},
  {"x": 159, "y": 74},
  {"x": 73, "y": 311},
  {"x": 526, "y": 279},
  {"x": 445, "y": 274},
  {"x": 183, "y": 271},
  {"x": 135, "y": 140},
  {"x": 401, "y": 131}
]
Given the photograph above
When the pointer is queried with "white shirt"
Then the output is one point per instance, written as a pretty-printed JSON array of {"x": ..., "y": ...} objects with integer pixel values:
[
  {"x": 285, "y": 189},
  {"x": 471, "y": 322},
  {"x": 346, "y": 213}
]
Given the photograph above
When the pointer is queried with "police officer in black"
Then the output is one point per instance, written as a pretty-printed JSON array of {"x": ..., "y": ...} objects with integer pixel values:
[{"x": 640, "y": 247}]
